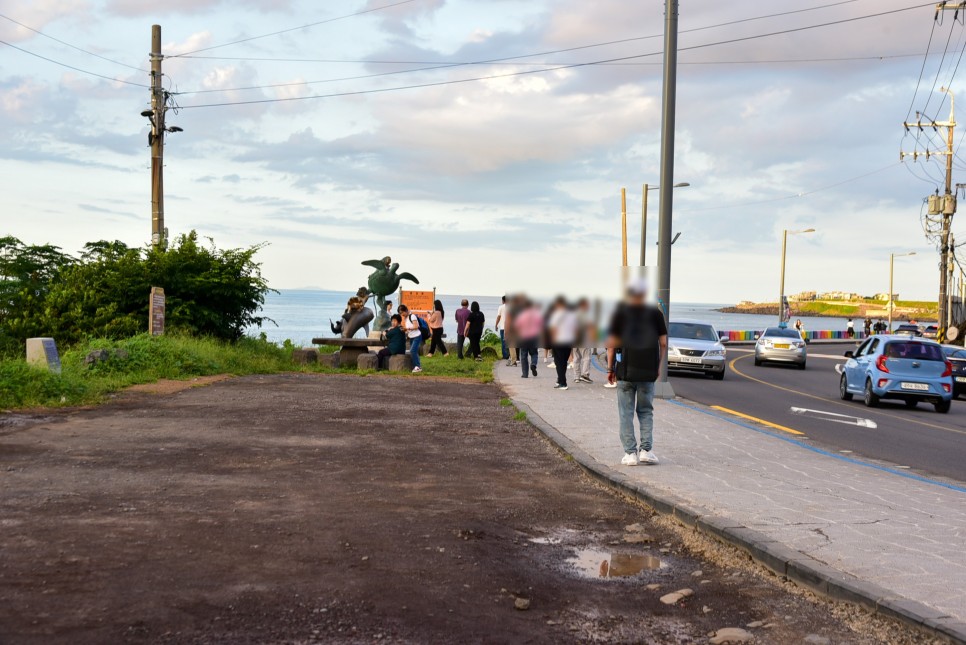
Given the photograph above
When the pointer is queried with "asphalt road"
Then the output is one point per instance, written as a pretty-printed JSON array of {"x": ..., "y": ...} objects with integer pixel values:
[{"x": 921, "y": 440}]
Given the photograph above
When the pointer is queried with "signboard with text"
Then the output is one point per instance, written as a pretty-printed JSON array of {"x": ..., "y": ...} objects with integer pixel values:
[
  {"x": 156, "y": 313},
  {"x": 419, "y": 302}
]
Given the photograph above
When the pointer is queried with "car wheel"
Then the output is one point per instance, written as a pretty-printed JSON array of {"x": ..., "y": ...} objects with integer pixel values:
[
  {"x": 718, "y": 376},
  {"x": 943, "y": 406},
  {"x": 911, "y": 403},
  {"x": 757, "y": 362},
  {"x": 870, "y": 399},
  {"x": 844, "y": 389},
  {"x": 801, "y": 366}
]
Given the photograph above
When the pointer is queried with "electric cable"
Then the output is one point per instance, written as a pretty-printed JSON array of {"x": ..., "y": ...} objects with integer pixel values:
[{"x": 76, "y": 69}]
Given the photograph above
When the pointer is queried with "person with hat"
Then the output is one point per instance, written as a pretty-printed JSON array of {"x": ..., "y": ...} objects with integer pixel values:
[{"x": 639, "y": 332}]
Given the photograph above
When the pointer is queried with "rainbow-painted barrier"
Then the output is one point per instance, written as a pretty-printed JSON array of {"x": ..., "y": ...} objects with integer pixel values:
[{"x": 738, "y": 336}]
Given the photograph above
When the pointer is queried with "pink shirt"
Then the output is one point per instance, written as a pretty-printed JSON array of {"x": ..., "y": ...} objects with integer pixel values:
[{"x": 528, "y": 324}]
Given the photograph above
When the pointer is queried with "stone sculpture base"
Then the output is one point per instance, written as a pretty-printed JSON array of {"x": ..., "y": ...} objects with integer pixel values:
[{"x": 400, "y": 363}]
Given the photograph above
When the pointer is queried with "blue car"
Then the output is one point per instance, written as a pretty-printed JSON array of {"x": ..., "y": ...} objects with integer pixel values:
[{"x": 901, "y": 368}]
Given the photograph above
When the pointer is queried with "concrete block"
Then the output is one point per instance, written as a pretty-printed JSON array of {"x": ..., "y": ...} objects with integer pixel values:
[
  {"x": 305, "y": 356},
  {"x": 367, "y": 361},
  {"x": 330, "y": 360},
  {"x": 400, "y": 363},
  {"x": 42, "y": 352}
]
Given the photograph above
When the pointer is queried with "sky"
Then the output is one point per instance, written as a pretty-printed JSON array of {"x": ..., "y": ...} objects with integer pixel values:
[{"x": 484, "y": 180}]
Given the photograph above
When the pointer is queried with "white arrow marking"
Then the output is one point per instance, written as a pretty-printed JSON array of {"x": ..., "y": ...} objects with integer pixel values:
[{"x": 837, "y": 418}]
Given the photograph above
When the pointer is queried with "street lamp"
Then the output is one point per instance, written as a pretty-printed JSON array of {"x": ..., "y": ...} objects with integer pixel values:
[
  {"x": 892, "y": 263},
  {"x": 781, "y": 295},
  {"x": 648, "y": 188}
]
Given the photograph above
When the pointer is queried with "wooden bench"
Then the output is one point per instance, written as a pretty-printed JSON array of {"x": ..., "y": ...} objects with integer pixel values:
[{"x": 351, "y": 348}]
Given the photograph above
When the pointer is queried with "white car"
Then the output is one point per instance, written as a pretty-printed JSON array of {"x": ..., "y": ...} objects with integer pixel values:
[{"x": 695, "y": 346}]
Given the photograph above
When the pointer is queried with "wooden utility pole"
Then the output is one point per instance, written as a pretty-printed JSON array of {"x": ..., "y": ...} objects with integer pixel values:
[
  {"x": 623, "y": 227},
  {"x": 156, "y": 139}
]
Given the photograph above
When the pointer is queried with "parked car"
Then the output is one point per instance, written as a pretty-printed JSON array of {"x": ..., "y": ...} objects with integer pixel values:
[
  {"x": 913, "y": 370},
  {"x": 930, "y": 331},
  {"x": 908, "y": 329},
  {"x": 694, "y": 346},
  {"x": 957, "y": 356},
  {"x": 781, "y": 345}
]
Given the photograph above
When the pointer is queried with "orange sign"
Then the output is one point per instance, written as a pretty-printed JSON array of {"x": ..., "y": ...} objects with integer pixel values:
[{"x": 417, "y": 301}]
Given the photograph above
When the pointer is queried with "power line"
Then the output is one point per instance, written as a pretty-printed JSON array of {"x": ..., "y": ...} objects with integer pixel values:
[
  {"x": 940, "y": 69},
  {"x": 76, "y": 69},
  {"x": 921, "y": 70},
  {"x": 559, "y": 67},
  {"x": 80, "y": 49},
  {"x": 290, "y": 29}
]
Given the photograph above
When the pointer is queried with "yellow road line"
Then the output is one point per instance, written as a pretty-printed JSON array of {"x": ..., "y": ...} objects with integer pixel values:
[
  {"x": 905, "y": 418},
  {"x": 757, "y": 420}
]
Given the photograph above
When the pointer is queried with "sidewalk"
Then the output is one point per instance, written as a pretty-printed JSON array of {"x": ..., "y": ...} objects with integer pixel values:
[{"x": 854, "y": 530}]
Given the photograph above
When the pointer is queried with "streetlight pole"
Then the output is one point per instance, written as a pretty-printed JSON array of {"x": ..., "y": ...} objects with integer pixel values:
[
  {"x": 781, "y": 294},
  {"x": 648, "y": 188},
  {"x": 892, "y": 264}
]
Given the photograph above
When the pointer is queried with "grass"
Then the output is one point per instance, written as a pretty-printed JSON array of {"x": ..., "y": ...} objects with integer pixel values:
[
  {"x": 826, "y": 309},
  {"x": 520, "y": 416},
  {"x": 145, "y": 359},
  {"x": 448, "y": 366},
  {"x": 506, "y": 402}
]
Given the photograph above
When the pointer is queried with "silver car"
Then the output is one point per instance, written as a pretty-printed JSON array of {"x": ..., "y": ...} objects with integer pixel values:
[
  {"x": 694, "y": 346},
  {"x": 779, "y": 345}
]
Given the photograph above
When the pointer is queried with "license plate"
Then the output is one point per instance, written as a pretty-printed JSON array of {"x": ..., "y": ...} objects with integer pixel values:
[
  {"x": 961, "y": 379},
  {"x": 782, "y": 346},
  {"x": 696, "y": 361},
  {"x": 915, "y": 386}
]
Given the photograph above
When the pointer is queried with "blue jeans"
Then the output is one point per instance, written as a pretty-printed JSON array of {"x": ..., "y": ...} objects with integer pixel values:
[
  {"x": 528, "y": 356},
  {"x": 414, "y": 344},
  {"x": 636, "y": 397},
  {"x": 506, "y": 352}
]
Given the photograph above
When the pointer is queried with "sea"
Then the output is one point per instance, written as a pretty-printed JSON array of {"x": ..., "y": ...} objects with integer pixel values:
[{"x": 300, "y": 315}]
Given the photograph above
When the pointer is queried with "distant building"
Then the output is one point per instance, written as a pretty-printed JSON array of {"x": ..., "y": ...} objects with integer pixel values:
[
  {"x": 805, "y": 296},
  {"x": 884, "y": 297},
  {"x": 839, "y": 295}
]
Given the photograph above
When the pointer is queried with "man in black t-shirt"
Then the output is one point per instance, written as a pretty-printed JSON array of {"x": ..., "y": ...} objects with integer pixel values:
[{"x": 639, "y": 332}]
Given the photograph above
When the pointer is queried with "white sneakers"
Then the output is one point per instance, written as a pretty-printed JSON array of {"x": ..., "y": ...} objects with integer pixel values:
[
  {"x": 648, "y": 457},
  {"x": 644, "y": 457},
  {"x": 610, "y": 386},
  {"x": 417, "y": 370}
]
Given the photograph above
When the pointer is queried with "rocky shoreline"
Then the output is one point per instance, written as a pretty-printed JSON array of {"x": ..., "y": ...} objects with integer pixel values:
[{"x": 772, "y": 310}]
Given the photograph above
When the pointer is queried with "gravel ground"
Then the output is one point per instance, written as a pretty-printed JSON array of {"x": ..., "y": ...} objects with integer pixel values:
[{"x": 304, "y": 508}]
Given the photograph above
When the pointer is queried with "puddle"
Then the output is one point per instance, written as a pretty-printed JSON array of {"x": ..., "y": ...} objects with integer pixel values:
[{"x": 603, "y": 564}]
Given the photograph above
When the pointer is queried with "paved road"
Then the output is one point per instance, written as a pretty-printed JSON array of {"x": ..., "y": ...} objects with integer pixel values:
[{"x": 922, "y": 440}]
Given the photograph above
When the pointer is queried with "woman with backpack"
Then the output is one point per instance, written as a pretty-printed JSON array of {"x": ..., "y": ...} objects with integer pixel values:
[
  {"x": 436, "y": 329},
  {"x": 474, "y": 332},
  {"x": 412, "y": 324}
]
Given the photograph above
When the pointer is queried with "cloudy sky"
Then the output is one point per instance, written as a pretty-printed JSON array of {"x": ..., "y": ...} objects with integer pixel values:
[{"x": 506, "y": 181}]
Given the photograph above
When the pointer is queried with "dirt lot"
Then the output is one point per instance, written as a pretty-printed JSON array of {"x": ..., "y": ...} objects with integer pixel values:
[{"x": 300, "y": 508}]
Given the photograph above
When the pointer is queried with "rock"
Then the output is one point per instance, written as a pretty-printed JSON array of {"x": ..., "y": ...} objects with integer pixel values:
[
  {"x": 635, "y": 528},
  {"x": 731, "y": 635},
  {"x": 400, "y": 363},
  {"x": 305, "y": 356},
  {"x": 665, "y": 550},
  {"x": 653, "y": 586},
  {"x": 815, "y": 639},
  {"x": 367, "y": 361},
  {"x": 489, "y": 352},
  {"x": 699, "y": 573},
  {"x": 521, "y": 604},
  {"x": 96, "y": 356},
  {"x": 676, "y": 596},
  {"x": 705, "y": 582},
  {"x": 332, "y": 360},
  {"x": 637, "y": 538},
  {"x": 757, "y": 623},
  {"x": 706, "y": 609}
]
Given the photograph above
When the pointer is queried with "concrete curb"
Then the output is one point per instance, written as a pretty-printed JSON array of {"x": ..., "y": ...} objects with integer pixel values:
[{"x": 778, "y": 558}]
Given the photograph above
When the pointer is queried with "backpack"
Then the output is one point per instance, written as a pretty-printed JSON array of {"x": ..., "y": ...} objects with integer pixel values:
[{"x": 423, "y": 328}]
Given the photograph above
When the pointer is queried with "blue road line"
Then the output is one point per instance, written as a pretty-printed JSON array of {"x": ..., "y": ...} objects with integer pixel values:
[{"x": 858, "y": 462}]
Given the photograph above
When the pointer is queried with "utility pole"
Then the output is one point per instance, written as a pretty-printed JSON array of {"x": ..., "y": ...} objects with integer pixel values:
[
  {"x": 647, "y": 189},
  {"x": 664, "y": 389},
  {"x": 623, "y": 227},
  {"x": 945, "y": 205},
  {"x": 157, "y": 140}
]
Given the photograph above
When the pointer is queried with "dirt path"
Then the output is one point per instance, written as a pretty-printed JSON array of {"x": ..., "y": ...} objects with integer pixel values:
[{"x": 300, "y": 508}]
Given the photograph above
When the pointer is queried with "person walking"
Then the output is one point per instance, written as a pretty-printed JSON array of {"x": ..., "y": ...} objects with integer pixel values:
[
  {"x": 415, "y": 336},
  {"x": 850, "y": 328},
  {"x": 500, "y": 326},
  {"x": 563, "y": 336},
  {"x": 436, "y": 329},
  {"x": 527, "y": 327},
  {"x": 867, "y": 325},
  {"x": 474, "y": 329},
  {"x": 462, "y": 315},
  {"x": 639, "y": 331},
  {"x": 585, "y": 342},
  {"x": 396, "y": 339}
]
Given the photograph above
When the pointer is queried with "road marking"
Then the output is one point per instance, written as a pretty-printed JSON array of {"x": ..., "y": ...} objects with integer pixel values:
[
  {"x": 757, "y": 420},
  {"x": 810, "y": 354},
  {"x": 906, "y": 419},
  {"x": 836, "y": 418}
]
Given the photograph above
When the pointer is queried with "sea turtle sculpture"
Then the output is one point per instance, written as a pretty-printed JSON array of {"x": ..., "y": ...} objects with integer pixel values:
[{"x": 383, "y": 282}]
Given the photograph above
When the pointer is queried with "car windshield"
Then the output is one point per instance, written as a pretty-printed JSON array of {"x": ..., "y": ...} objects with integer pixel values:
[
  {"x": 955, "y": 352},
  {"x": 692, "y": 331},
  {"x": 782, "y": 333},
  {"x": 914, "y": 350}
]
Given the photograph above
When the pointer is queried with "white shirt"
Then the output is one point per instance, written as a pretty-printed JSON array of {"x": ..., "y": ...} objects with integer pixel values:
[
  {"x": 565, "y": 326},
  {"x": 412, "y": 326},
  {"x": 501, "y": 314}
]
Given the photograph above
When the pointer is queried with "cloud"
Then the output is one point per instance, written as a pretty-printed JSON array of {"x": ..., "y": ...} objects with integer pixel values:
[
  {"x": 136, "y": 8},
  {"x": 38, "y": 14}
]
